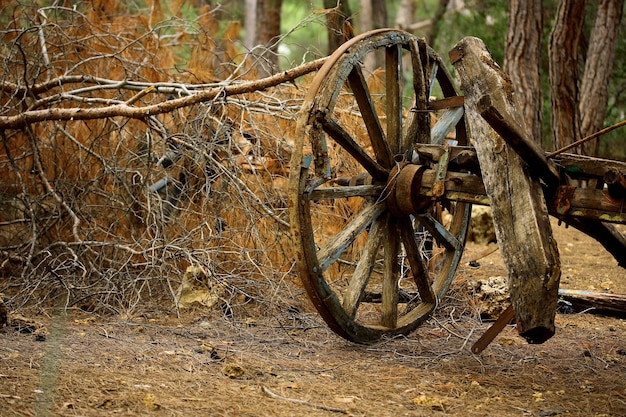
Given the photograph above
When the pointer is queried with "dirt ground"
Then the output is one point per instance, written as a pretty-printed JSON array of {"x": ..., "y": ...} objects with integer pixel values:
[{"x": 288, "y": 363}]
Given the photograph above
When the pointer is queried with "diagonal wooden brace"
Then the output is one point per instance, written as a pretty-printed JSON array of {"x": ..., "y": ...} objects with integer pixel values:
[{"x": 505, "y": 318}]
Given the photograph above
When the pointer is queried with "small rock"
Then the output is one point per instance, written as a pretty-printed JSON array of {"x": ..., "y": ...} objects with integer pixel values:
[
  {"x": 199, "y": 289},
  {"x": 233, "y": 371},
  {"x": 493, "y": 296},
  {"x": 482, "y": 230}
]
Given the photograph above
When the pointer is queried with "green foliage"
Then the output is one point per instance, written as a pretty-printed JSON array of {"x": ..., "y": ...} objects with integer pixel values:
[
  {"x": 304, "y": 27},
  {"x": 484, "y": 19}
]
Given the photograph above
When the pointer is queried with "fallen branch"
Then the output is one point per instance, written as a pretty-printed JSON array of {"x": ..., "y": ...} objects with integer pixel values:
[
  {"x": 124, "y": 110},
  {"x": 595, "y": 302},
  {"x": 271, "y": 394}
]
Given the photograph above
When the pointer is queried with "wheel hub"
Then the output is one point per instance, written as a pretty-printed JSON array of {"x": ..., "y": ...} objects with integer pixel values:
[{"x": 405, "y": 181}]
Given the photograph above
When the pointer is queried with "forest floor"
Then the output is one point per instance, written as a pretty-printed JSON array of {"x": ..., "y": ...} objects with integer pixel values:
[{"x": 288, "y": 363}]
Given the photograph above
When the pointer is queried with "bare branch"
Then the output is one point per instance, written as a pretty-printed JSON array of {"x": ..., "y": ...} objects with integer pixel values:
[{"x": 34, "y": 116}]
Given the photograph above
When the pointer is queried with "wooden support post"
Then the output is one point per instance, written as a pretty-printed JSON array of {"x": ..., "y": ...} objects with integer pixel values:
[{"x": 519, "y": 209}]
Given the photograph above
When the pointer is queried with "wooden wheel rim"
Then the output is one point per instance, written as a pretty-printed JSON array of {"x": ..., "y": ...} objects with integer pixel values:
[{"x": 312, "y": 264}]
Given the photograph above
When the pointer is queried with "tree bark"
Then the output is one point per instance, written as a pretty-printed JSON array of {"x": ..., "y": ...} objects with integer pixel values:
[
  {"x": 594, "y": 91},
  {"x": 563, "y": 49},
  {"x": 406, "y": 13},
  {"x": 437, "y": 20},
  {"x": 339, "y": 23},
  {"x": 250, "y": 25},
  {"x": 267, "y": 36},
  {"x": 523, "y": 60},
  {"x": 374, "y": 16}
]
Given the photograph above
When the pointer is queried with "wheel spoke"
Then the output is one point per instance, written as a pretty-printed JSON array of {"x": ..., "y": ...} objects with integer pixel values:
[
  {"x": 357, "y": 83},
  {"x": 442, "y": 76},
  {"x": 363, "y": 271},
  {"x": 333, "y": 193},
  {"x": 434, "y": 76},
  {"x": 439, "y": 232},
  {"x": 342, "y": 240},
  {"x": 394, "y": 99},
  {"x": 391, "y": 274},
  {"x": 421, "y": 118},
  {"x": 346, "y": 141},
  {"x": 446, "y": 124},
  {"x": 416, "y": 261}
]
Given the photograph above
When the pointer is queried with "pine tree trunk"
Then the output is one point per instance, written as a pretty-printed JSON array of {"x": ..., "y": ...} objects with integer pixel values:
[
  {"x": 406, "y": 13},
  {"x": 523, "y": 60},
  {"x": 563, "y": 50},
  {"x": 594, "y": 92},
  {"x": 374, "y": 17},
  {"x": 268, "y": 33},
  {"x": 336, "y": 21}
]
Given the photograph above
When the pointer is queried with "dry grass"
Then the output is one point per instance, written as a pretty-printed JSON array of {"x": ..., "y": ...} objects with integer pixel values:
[{"x": 104, "y": 215}]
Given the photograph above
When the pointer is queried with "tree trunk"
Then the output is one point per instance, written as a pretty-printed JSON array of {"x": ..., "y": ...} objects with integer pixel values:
[
  {"x": 339, "y": 23},
  {"x": 267, "y": 36},
  {"x": 366, "y": 23},
  {"x": 373, "y": 16},
  {"x": 523, "y": 61},
  {"x": 563, "y": 49},
  {"x": 250, "y": 25},
  {"x": 594, "y": 91},
  {"x": 437, "y": 20},
  {"x": 406, "y": 13}
]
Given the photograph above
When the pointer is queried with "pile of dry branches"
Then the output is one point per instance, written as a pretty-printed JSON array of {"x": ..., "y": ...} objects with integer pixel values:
[{"x": 133, "y": 146}]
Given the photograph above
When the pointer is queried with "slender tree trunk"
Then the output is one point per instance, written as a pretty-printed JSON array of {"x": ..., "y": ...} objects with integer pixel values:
[
  {"x": 267, "y": 35},
  {"x": 563, "y": 49},
  {"x": 338, "y": 23},
  {"x": 437, "y": 20},
  {"x": 250, "y": 25},
  {"x": 523, "y": 60},
  {"x": 373, "y": 16},
  {"x": 366, "y": 23},
  {"x": 379, "y": 14},
  {"x": 406, "y": 14},
  {"x": 594, "y": 91}
]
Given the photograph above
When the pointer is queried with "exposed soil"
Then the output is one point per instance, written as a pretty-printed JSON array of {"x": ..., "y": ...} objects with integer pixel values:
[{"x": 288, "y": 363}]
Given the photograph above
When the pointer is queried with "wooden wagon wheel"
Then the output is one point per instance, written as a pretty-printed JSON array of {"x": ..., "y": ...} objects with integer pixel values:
[{"x": 374, "y": 257}]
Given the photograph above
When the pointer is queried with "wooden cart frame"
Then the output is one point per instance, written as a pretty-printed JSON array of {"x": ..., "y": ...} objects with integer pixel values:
[{"x": 380, "y": 208}]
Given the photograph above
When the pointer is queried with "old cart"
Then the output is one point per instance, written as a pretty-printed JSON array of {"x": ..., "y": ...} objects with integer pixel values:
[{"x": 383, "y": 176}]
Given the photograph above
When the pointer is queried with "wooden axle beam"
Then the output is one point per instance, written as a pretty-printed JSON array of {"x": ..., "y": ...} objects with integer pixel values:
[{"x": 566, "y": 203}]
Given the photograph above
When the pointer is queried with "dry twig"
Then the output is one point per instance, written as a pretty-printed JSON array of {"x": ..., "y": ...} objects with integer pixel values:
[{"x": 271, "y": 394}]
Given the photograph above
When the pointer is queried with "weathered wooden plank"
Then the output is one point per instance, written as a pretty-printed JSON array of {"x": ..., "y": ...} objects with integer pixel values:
[
  {"x": 333, "y": 193},
  {"x": 336, "y": 246},
  {"x": 566, "y": 202},
  {"x": 581, "y": 165},
  {"x": 363, "y": 98},
  {"x": 391, "y": 248},
  {"x": 519, "y": 210},
  {"x": 419, "y": 268},
  {"x": 446, "y": 124},
  {"x": 356, "y": 288},
  {"x": 517, "y": 139},
  {"x": 606, "y": 234},
  {"x": 596, "y": 302},
  {"x": 348, "y": 143},
  {"x": 393, "y": 97},
  {"x": 505, "y": 318}
]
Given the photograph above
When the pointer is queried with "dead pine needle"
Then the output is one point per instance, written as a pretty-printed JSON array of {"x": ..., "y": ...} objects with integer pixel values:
[{"x": 271, "y": 394}]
